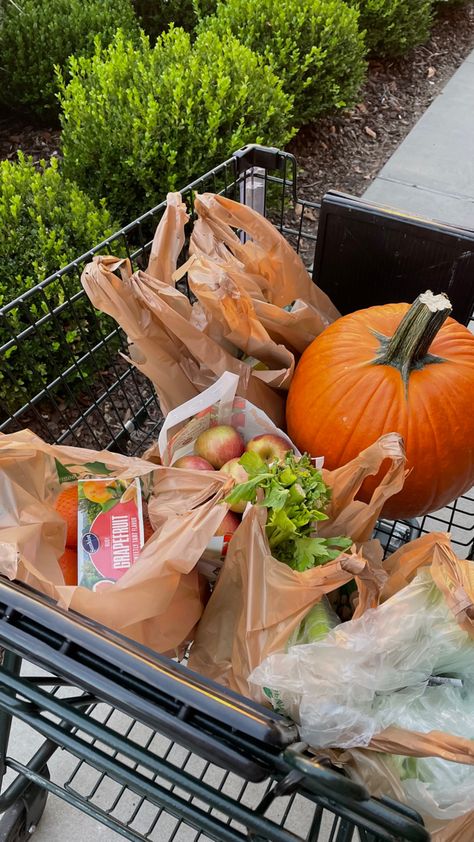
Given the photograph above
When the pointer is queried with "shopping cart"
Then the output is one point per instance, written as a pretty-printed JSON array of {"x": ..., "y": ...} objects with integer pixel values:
[{"x": 130, "y": 738}]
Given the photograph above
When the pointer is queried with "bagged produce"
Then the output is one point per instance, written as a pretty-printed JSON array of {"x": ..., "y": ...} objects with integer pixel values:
[
  {"x": 219, "y": 404},
  {"x": 380, "y": 775},
  {"x": 216, "y": 408},
  {"x": 259, "y": 601},
  {"x": 397, "y": 679},
  {"x": 159, "y": 599}
]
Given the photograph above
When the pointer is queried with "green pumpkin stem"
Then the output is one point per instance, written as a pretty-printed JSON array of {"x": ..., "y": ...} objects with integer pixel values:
[{"x": 409, "y": 345}]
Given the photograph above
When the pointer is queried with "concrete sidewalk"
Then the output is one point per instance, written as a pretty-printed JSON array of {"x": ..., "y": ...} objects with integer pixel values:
[{"x": 431, "y": 174}]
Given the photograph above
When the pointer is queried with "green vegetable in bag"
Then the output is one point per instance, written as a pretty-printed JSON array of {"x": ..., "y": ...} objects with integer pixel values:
[
  {"x": 316, "y": 625},
  {"x": 295, "y": 495}
]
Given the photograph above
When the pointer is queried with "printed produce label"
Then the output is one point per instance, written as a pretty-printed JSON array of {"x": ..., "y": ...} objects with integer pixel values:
[
  {"x": 110, "y": 529},
  {"x": 217, "y": 405}
]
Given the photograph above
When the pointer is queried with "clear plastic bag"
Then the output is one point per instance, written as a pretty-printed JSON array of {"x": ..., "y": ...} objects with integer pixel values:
[
  {"x": 367, "y": 673},
  {"x": 432, "y": 785},
  {"x": 390, "y": 696},
  {"x": 316, "y": 625}
]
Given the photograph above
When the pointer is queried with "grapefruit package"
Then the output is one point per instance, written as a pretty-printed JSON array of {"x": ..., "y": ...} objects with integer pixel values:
[{"x": 110, "y": 529}]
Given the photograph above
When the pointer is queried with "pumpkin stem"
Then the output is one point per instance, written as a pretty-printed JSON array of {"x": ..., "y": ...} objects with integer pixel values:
[{"x": 409, "y": 345}]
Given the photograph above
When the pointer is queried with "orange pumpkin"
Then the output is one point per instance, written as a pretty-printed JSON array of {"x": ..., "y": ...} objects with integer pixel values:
[{"x": 392, "y": 368}]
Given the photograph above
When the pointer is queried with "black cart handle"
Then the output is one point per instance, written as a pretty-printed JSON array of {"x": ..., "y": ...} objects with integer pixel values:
[{"x": 320, "y": 778}]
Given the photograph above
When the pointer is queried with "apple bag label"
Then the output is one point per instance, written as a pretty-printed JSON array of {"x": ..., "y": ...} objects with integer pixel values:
[
  {"x": 110, "y": 529},
  {"x": 219, "y": 404},
  {"x": 213, "y": 557},
  {"x": 186, "y": 422}
]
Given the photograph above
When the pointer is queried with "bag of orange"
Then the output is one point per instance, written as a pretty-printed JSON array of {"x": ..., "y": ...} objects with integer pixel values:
[{"x": 66, "y": 506}]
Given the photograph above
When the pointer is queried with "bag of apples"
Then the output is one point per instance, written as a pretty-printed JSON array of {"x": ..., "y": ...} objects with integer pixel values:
[{"x": 210, "y": 433}]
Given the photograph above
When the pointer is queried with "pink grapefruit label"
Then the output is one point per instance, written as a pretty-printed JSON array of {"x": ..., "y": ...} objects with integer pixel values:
[{"x": 110, "y": 529}]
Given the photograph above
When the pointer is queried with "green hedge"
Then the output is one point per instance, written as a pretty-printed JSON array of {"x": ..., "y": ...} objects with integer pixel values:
[
  {"x": 204, "y": 7},
  {"x": 45, "y": 222},
  {"x": 139, "y": 121},
  {"x": 35, "y": 35},
  {"x": 393, "y": 27},
  {"x": 314, "y": 46}
]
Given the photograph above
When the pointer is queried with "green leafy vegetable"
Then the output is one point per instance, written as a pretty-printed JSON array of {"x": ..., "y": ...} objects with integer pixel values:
[
  {"x": 317, "y": 624},
  {"x": 296, "y": 496}
]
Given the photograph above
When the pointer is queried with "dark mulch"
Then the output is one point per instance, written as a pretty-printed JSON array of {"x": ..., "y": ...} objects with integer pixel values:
[
  {"x": 345, "y": 152},
  {"x": 17, "y": 132},
  {"x": 117, "y": 410}
]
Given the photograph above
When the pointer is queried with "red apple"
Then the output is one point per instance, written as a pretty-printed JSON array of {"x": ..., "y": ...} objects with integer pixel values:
[
  {"x": 239, "y": 474},
  {"x": 269, "y": 447},
  {"x": 219, "y": 444},
  {"x": 194, "y": 463},
  {"x": 229, "y": 524}
]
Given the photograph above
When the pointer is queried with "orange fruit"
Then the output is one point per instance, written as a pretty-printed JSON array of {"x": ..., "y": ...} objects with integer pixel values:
[
  {"x": 147, "y": 528},
  {"x": 68, "y": 564},
  {"x": 98, "y": 492},
  {"x": 66, "y": 506}
]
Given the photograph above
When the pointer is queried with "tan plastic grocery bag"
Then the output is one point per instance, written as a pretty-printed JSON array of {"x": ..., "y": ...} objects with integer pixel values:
[
  {"x": 159, "y": 600},
  {"x": 179, "y": 359},
  {"x": 226, "y": 311},
  {"x": 259, "y": 601},
  {"x": 267, "y": 254},
  {"x": 453, "y": 576},
  {"x": 265, "y": 272},
  {"x": 168, "y": 241},
  {"x": 171, "y": 349},
  {"x": 458, "y": 830},
  {"x": 376, "y": 772},
  {"x": 374, "y": 768}
]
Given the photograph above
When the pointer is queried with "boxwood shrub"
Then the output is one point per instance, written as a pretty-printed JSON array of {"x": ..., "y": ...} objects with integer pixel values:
[
  {"x": 35, "y": 35},
  {"x": 204, "y": 7},
  {"x": 141, "y": 120},
  {"x": 393, "y": 27},
  {"x": 314, "y": 46},
  {"x": 45, "y": 222}
]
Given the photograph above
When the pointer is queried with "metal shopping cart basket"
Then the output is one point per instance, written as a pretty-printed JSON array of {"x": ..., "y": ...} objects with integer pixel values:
[{"x": 134, "y": 740}]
